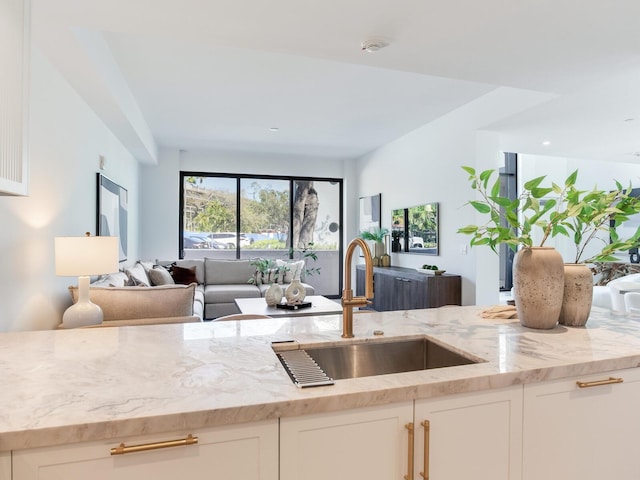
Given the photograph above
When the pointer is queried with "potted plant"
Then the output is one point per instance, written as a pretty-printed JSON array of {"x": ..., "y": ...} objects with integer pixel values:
[
  {"x": 574, "y": 213},
  {"x": 376, "y": 235}
]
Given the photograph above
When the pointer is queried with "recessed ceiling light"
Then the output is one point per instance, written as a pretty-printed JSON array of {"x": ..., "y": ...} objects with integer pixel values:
[
  {"x": 546, "y": 143},
  {"x": 274, "y": 129}
]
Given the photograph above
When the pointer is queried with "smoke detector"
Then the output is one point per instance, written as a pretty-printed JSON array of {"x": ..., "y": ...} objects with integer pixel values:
[{"x": 374, "y": 44}]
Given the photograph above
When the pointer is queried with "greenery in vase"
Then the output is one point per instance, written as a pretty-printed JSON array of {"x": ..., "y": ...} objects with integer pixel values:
[
  {"x": 376, "y": 234},
  {"x": 575, "y": 213}
]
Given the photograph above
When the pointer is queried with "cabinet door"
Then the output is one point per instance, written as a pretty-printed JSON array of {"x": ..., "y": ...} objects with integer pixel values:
[
  {"x": 582, "y": 433},
  {"x": 5, "y": 465},
  {"x": 410, "y": 293},
  {"x": 384, "y": 292},
  {"x": 242, "y": 452},
  {"x": 369, "y": 443},
  {"x": 470, "y": 436}
]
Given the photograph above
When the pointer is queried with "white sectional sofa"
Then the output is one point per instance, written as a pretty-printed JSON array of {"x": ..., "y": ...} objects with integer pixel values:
[{"x": 198, "y": 290}]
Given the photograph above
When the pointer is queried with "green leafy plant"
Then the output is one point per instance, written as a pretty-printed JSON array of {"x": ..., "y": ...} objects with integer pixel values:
[
  {"x": 592, "y": 212},
  {"x": 577, "y": 214},
  {"x": 376, "y": 234},
  {"x": 309, "y": 255}
]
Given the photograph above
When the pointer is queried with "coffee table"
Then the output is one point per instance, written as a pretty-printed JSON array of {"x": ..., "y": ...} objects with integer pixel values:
[{"x": 319, "y": 306}]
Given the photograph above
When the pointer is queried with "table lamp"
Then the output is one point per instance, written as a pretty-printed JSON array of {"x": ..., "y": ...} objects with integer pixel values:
[{"x": 83, "y": 257}]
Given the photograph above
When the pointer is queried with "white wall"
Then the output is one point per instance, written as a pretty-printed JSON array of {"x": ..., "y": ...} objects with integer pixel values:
[
  {"x": 66, "y": 140},
  {"x": 424, "y": 166},
  {"x": 161, "y": 186}
]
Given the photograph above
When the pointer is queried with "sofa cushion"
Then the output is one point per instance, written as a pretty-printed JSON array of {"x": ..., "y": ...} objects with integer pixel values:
[
  {"x": 147, "y": 265},
  {"x": 125, "y": 303},
  {"x": 160, "y": 276},
  {"x": 117, "y": 279},
  {"x": 225, "y": 272},
  {"x": 184, "y": 275},
  {"x": 227, "y": 293},
  {"x": 137, "y": 276},
  {"x": 198, "y": 263}
]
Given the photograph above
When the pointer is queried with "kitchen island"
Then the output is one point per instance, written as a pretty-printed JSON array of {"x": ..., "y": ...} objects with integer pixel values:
[{"x": 71, "y": 386}]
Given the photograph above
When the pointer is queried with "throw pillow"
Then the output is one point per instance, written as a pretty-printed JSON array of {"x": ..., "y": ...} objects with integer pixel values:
[
  {"x": 184, "y": 275},
  {"x": 133, "y": 282},
  {"x": 294, "y": 270},
  {"x": 137, "y": 276},
  {"x": 160, "y": 276},
  {"x": 273, "y": 275}
]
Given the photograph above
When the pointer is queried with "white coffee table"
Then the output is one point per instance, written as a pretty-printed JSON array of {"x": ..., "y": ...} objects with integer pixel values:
[{"x": 319, "y": 306}]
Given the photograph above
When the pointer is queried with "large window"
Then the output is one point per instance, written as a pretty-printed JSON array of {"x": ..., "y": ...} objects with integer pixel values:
[{"x": 242, "y": 216}]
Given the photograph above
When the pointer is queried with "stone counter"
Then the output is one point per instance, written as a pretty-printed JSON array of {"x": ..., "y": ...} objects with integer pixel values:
[{"x": 68, "y": 386}]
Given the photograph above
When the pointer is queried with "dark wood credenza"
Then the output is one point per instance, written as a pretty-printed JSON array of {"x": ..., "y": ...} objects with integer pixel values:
[{"x": 400, "y": 288}]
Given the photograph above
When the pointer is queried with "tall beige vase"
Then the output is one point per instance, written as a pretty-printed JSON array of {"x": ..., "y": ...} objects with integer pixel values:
[
  {"x": 578, "y": 294},
  {"x": 538, "y": 286}
]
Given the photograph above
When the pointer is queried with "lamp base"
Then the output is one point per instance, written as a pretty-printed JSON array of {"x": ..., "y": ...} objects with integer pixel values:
[{"x": 82, "y": 314}]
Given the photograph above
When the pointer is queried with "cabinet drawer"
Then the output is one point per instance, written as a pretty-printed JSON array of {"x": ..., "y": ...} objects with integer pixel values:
[
  {"x": 248, "y": 451},
  {"x": 582, "y": 432}
]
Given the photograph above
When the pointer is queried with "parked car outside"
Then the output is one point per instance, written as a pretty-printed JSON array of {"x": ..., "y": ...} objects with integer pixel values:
[
  {"x": 194, "y": 242},
  {"x": 228, "y": 239},
  {"x": 416, "y": 242}
]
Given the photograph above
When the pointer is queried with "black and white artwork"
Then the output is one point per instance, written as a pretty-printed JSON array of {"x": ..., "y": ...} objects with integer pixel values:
[{"x": 112, "y": 212}]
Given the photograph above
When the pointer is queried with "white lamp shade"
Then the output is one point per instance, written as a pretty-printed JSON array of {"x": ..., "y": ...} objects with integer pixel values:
[{"x": 76, "y": 256}]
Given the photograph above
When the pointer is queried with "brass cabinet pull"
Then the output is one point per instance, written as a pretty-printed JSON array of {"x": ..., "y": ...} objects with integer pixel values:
[
  {"x": 598, "y": 383},
  {"x": 427, "y": 432},
  {"x": 409, "y": 476},
  {"x": 122, "y": 448}
]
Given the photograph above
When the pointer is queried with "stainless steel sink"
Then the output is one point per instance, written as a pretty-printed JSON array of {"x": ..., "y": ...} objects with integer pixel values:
[{"x": 379, "y": 358}]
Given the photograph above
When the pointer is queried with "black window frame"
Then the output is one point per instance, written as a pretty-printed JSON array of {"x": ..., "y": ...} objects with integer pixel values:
[{"x": 241, "y": 176}]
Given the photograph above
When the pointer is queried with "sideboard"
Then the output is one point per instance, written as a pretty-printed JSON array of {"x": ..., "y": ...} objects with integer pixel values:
[{"x": 400, "y": 288}]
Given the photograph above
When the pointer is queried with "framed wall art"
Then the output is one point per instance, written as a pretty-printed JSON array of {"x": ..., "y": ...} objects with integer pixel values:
[
  {"x": 112, "y": 212},
  {"x": 370, "y": 213}
]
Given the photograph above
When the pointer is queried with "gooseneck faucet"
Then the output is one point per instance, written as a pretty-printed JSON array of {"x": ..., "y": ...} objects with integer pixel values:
[{"x": 348, "y": 300}]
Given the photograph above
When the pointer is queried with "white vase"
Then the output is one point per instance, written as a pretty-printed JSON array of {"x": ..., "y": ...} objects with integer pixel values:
[
  {"x": 273, "y": 295},
  {"x": 538, "y": 286},
  {"x": 295, "y": 292}
]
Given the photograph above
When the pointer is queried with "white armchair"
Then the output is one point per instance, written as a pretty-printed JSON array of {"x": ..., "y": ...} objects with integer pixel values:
[
  {"x": 632, "y": 302},
  {"x": 618, "y": 288}
]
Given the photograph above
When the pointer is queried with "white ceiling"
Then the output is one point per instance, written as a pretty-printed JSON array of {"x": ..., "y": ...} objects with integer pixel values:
[{"x": 217, "y": 74}]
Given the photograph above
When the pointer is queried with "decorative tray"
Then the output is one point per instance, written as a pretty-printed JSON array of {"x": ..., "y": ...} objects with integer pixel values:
[
  {"x": 430, "y": 272},
  {"x": 293, "y": 306}
]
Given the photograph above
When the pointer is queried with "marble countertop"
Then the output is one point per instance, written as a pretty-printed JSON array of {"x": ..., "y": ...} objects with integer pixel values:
[{"x": 67, "y": 386}]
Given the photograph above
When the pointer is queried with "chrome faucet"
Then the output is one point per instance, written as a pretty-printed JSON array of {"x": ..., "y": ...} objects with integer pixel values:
[{"x": 348, "y": 300}]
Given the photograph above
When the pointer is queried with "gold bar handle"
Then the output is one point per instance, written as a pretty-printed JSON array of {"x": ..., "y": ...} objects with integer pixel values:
[
  {"x": 144, "y": 447},
  {"x": 427, "y": 433},
  {"x": 409, "y": 476},
  {"x": 598, "y": 383}
]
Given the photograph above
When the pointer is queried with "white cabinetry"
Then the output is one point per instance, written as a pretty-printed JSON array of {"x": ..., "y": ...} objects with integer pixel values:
[
  {"x": 240, "y": 452},
  {"x": 369, "y": 443},
  {"x": 471, "y": 436},
  {"x": 5, "y": 465},
  {"x": 475, "y": 435},
  {"x": 14, "y": 56},
  {"x": 573, "y": 433}
]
